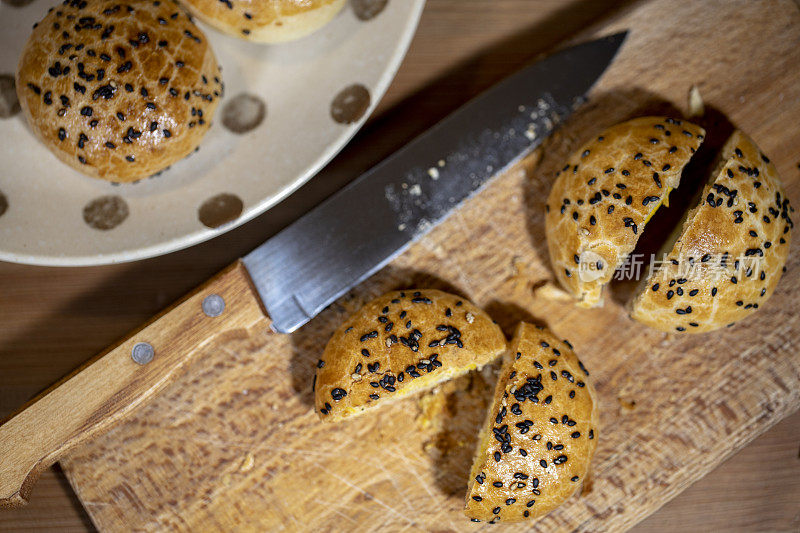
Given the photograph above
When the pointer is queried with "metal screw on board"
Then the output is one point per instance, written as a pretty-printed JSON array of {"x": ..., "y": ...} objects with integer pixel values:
[
  {"x": 213, "y": 305},
  {"x": 142, "y": 353}
]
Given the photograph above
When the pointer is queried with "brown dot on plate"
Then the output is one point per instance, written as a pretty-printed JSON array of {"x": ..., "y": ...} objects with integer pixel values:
[
  {"x": 9, "y": 103},
  {"x": 105, "y": 212},
  {"x": 243, "y": 113},
  {"x": 220, "y": 209},
  {"x": 368, "y": 9},
  {"x": 350, "y": 104},
  {"x": 3, "y": 204}
]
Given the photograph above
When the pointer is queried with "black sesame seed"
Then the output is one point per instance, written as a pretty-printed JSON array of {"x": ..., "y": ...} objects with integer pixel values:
[
  {"x": 337, "y": 394},
  {"x": 647, "y": 199},
  {"x": 370, "y": 335}
]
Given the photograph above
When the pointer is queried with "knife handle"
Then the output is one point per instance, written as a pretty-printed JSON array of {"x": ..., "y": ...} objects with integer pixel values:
[{"x": 111, "y": 385}]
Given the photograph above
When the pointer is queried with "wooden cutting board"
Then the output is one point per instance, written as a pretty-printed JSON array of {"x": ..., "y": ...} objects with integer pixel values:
[{"x": 233, "y": 444}]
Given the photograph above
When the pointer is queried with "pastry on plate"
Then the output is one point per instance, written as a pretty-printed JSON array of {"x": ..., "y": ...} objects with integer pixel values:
[
  {"x": 118, "y": 89},
  {"x": 265, "y": 21}
]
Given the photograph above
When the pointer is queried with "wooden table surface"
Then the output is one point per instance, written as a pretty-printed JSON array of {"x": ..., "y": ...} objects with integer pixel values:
[{"x": 53, "y": 319}]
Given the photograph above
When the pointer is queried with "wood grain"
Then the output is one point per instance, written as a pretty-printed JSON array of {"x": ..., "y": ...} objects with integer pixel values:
[
  {"x": 55, "y": 318},
  {"x": 112, "y": 385},
  {"x": 725, "y": 501},
  {"x": 248, "y": 453}
]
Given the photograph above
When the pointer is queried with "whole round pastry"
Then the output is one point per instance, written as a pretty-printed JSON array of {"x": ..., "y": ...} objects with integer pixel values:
[
  {"x": 266, "y": 22},
  {"x": 730, "y": 252},
  {"x": 118, "y": 89},
  {"x": 606, "y": 193},
  {"x": 541, "y": 433},
  {"x": 400, "y": 343}
]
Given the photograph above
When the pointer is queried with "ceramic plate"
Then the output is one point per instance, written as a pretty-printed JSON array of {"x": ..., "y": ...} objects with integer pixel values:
[{"x": 288, "y": 109}]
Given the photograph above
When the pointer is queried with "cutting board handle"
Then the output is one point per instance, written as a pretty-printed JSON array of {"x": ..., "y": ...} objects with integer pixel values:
[{"x": 110, "y": 386}]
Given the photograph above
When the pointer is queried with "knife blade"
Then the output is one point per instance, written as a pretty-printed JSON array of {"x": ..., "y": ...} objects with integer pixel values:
[{"x": 355, "y": 232}]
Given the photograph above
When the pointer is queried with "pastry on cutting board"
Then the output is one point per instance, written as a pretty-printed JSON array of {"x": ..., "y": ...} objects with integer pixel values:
[
  {"x": 400, "y": 343},
  {"x": 606, "y": 193},
  {"x": 540, "y": 434},
  {"x": 731, "y": 249}
]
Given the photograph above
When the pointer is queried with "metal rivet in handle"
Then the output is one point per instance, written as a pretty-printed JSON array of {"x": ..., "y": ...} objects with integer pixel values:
[
  {"x": 213, "y": 305},
  {"x": 142, "y": 353}
]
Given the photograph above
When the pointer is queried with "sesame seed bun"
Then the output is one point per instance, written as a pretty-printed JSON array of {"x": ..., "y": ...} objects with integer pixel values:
[
  {"x": 118, "y": 89},
  {"x": 605, "y": 194},
  {"x": 730, "y": 252},
  {"x": 265, "y": 22},
  {"x": 540, "y": 435},
  {"x": 400, "y": 343}
]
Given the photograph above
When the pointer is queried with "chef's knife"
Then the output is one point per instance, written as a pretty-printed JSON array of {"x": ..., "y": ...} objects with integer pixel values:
[{"x": 298, "y": 272}]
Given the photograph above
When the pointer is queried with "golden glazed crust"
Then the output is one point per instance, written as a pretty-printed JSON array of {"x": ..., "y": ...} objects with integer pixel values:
[
  {"x": 265, "y": 21},
  {"x": 402, "y": 342},
  {"x": 118, "y": 89},
  {"x": 605, "y": 194},
  {"x": 731, "y": 251},
  {"x": 540, "y": 435}
]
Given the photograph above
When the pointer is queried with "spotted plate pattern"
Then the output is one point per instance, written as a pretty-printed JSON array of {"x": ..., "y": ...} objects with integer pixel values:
[{"x": 289, "y": 108}]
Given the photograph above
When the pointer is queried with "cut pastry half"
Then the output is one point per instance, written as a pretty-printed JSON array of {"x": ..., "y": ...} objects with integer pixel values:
[
  {"x": 541, "y": 432},
  {"x": 398, "y": 344},
  {"x": 606, "y": 193},
  {"x": 727, "y": 256}
]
